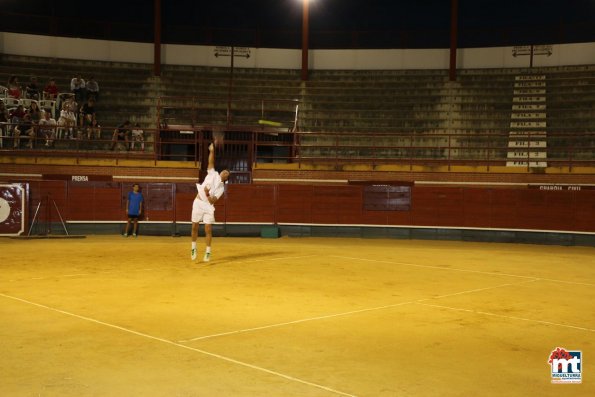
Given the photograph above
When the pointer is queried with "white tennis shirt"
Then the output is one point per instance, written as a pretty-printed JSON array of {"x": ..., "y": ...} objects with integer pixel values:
[{"x": 214, "y": 185}]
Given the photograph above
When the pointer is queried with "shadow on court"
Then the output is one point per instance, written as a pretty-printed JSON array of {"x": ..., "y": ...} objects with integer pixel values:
[{"x": 254, "y": 257}]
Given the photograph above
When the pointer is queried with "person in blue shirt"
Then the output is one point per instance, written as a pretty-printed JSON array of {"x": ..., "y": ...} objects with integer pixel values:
[{"x": 134, "y": 207}]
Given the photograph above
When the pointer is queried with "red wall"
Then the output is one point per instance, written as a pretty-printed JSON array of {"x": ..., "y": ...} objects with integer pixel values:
[{"x": 506, "y": 208}]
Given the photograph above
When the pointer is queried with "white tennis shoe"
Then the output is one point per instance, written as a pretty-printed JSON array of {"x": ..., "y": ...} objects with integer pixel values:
[
  {"x": 207, "y": 257},
  {"x": 193, "y": 254}
]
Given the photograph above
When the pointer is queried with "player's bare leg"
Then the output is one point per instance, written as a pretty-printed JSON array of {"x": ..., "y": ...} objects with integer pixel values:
[
  {"x": 194, "y": 237},
  {"x": 208, "y": 239}
]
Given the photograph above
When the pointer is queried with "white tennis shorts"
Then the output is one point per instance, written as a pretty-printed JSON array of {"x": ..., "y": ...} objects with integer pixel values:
[{"x": 203, "y": 212}]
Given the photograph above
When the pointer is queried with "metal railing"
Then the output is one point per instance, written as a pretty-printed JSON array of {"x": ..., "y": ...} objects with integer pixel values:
[
  {"x": 430, "y": 149},
  {"x": 32, "y": 140},
  {"x": 248, "y": 145},
  {"x": 194, "y": 111}
]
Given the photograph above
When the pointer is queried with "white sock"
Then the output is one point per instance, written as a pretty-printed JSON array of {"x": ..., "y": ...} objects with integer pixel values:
[
  {"x": 194, "y": 245},
  {"x": 208, "y": 251}
]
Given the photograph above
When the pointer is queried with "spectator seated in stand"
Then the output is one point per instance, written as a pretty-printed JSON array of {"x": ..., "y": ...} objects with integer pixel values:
[
  {"x": 14, "y": 88},
  {"x": 51, "y": 90},
  {"x": 16, "y": 117},
  {"x": 26, "y": 129},
  {"x": 47, "y": 128},
  {"x": 32, "y": 89},
  {"x": 17, "y": 114},
  {"x": 69, "y": 99},
  {"x": 3, "y": 122},
  {"x": 120, "y": 135},
  {"x": 67, "y": 120},
  {"x": 137, "y": 137},
  {"x": 94, "y": 129},
  {"x": 34, "y": 112},
  {"x": 86, "y": 113}
]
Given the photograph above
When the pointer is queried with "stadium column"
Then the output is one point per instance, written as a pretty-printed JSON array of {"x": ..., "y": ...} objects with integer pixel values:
[
  {"x": 454, "y": 11},
  {"x": 157, "y": 39},
  {"x": 305, "y": 28}
]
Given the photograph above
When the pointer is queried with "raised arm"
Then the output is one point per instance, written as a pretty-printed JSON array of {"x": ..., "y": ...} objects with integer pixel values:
[{"x": 211, "y": 157}]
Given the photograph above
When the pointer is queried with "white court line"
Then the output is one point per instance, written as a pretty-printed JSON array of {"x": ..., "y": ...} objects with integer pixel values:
[
  {"x": 303, "y": 320},
  {"x": 480, "y": 289},
  {"x": 169, "y": 342},
  {"x": 462, "y": 270},
  {"x": 276, "y": 259},
  {"x": 563, "y": 281},
  {"x": 508, "y": 317},
  {"x": 82, "y": 274}
]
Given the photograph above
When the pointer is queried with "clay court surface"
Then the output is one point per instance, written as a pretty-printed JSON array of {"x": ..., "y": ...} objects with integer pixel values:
[{"x": 108, "y": 316}]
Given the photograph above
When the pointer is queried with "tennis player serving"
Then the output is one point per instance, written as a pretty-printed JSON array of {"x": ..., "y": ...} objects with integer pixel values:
[{"x": 203, "y": 208}]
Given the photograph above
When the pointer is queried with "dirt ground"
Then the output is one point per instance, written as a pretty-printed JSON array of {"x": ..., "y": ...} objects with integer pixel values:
[{"x": 109, "y": 316}]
